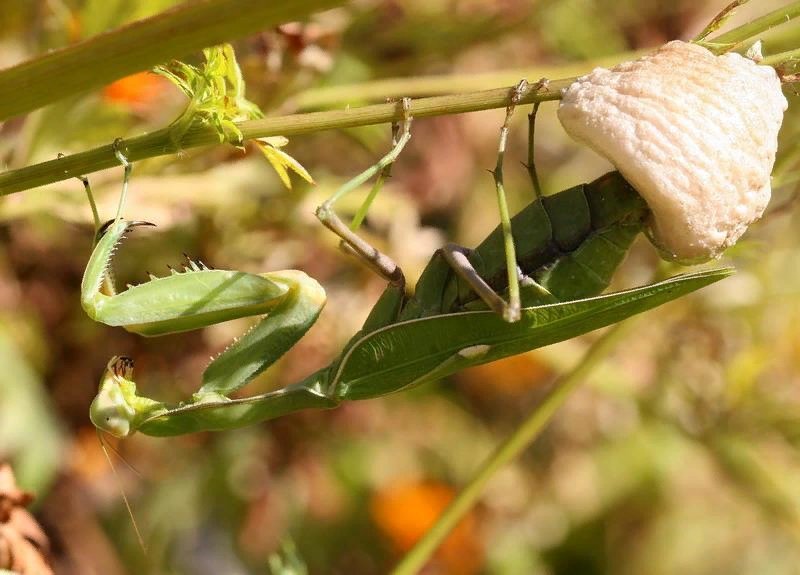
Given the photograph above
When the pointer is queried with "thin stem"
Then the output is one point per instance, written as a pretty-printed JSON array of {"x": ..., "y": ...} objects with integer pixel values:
[
  {"x": 782, "y": 58},
  {"x": 160, "y": 142},
  {"x": 720, "y": 19},
  {"x": 139, "y": 46},
  {"x": 759, "y": 25},
  {"x": 510, "y": 449}
]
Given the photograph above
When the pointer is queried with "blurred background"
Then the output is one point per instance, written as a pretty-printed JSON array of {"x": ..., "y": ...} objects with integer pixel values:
[{"x": 679, "y": 455}]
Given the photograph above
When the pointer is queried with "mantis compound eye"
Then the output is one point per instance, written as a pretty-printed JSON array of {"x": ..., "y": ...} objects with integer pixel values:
[
  {"x": 110, "y": 410},
  {"x": 121, "y": 366}
]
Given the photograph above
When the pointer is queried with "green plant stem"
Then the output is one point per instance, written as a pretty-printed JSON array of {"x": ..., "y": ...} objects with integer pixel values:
[
  {"x": 511, "y": 448},
  {"x": 759, "y": 25},
  {"x": 422, "y": 86},
  {"x": 781, "y": 58},
  {"x": 140, "y": 46},
  {"x": 162, "y": 142}
]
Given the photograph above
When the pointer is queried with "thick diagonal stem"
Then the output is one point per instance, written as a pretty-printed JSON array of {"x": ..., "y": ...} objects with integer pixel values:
[
  {"x": 139, "y": 46},
  {"x": 510, "y": 449}
]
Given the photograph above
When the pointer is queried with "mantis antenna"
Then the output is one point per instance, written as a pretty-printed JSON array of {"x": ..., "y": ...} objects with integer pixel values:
[{"x": 118, "y": 480}]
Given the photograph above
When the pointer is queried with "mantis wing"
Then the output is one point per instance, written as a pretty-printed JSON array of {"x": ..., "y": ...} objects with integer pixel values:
[{"x": 417, "y": 351}]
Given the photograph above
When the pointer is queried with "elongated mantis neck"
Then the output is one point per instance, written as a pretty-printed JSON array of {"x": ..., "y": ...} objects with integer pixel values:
[{"x": 214, "y": 412}]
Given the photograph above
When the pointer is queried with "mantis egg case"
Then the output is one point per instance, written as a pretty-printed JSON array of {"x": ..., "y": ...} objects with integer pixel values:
[{"x": 694, "y": 133}]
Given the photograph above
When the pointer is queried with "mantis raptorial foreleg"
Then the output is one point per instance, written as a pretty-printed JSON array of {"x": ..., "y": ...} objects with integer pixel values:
[{"x": 194, "y": 298}]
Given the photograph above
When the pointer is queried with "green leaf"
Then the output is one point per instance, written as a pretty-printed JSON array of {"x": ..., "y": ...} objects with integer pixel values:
[{"x": 422, "y": 350}]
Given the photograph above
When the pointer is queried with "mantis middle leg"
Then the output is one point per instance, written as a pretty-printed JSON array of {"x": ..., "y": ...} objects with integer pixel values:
[
  {"x": 382, "y": 264},
  {"x": 456, "y": 255}
]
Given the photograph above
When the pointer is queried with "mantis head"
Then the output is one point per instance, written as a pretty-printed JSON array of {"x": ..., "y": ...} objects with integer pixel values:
[{"x": 111, "y": 410}]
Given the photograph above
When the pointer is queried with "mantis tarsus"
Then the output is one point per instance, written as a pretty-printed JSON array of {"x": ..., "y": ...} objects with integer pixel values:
[{"x": 566, "y": 247}]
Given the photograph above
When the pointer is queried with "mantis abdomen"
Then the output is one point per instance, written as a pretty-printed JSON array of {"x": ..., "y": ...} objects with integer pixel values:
[{"x": 568, "y": 245}]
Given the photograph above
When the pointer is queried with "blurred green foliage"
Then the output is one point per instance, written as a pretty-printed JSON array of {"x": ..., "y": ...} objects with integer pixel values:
[{"x": 680, "y": 455}]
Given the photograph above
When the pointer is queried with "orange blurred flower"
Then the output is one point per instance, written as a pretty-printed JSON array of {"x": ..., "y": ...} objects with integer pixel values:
[
  {"x": 404, "y": 511},
  {"x": 142, "y": 89},
  {"x": 74, "y": 28},
  {"x": 506, "y": 378},
  {"x": 87, "y": 460}
]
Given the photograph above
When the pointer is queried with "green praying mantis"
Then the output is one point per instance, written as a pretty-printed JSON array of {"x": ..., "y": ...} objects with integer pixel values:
[{"x": 532, "y": 282}]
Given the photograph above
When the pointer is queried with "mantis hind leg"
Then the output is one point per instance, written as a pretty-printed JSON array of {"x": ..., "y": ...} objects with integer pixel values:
[
  {"x": 531, "y": 164},
  {"x": 456, "y": 255},
  {"x": 371, "y": 256}
]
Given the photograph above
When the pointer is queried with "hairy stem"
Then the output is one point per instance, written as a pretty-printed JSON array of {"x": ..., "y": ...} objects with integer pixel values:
[
  {"x": 162, "y": 142},
  {"x": 510, "y": 449},
  {"x": 140, "y": 46}
]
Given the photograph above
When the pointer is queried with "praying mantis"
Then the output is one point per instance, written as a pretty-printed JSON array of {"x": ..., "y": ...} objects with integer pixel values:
[{"x": 532, "y": 282}]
